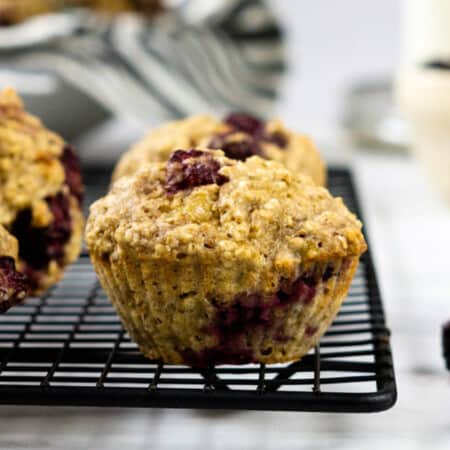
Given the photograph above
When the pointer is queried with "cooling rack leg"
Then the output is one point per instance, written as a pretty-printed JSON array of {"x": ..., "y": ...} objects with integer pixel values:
[
  {"x": 154, "y": 384},
  {"x": 316, "y": 387},
  {"x": 261, "y": 379}
]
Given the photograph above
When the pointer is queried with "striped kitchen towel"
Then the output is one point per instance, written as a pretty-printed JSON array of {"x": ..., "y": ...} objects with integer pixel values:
[{"x": 199, "y": 56}]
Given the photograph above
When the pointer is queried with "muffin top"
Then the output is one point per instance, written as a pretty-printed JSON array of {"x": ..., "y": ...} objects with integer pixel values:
[
  {"x": 8, "y": 244},
  {"x": 239, "y": 136},
  {"x": 34, "y": 163},
  {"x": 203, "y": 205}
]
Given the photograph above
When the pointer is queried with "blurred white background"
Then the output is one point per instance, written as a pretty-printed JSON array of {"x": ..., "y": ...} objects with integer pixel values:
[{"x": 332, "y": 45}]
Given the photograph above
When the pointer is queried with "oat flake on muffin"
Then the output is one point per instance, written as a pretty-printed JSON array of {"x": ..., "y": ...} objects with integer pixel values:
[
  {"x": 40, "y": 194},
  {"x": 210, "y": 260},
  {"x": 239, "y": 135}
]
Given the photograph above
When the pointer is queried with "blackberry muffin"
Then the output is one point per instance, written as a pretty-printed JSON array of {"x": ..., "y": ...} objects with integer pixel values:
[
  {"x": 13, "y": 284},
  {"x": 239, "y": 135},
  {"x": 40, "y": 194},
  {"x": 210, "y": 260}
]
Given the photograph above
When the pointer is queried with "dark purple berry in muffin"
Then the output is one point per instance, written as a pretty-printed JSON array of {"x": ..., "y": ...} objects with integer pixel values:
[
  {"x": 239, "y": 150},
  {"x": 249, "y": 145},
  {"x": 245, "y": 123},
  {"x": 58, "y": 233},
  {"x": 72, "y": 171},
  {"x": 182, "y": 155},
  {"x": 311, "y": 330},
  {"x": 13, "y": 284},
  {"x": 250, "y": 312},
  {"x": 39, "y": 246},
  {"x": 277, "y": 138},
  {"x": 190, "y": 168}
]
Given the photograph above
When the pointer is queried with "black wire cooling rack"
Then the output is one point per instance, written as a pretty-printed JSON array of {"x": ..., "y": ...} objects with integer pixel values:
[{"x": 68, "y": 348}]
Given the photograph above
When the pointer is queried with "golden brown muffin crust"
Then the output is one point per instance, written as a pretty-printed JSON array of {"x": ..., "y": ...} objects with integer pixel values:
[
  {"x": 30, "y": 169},
  {"x": 8, "y": 244},
  {"x": 265, "y": 215}
]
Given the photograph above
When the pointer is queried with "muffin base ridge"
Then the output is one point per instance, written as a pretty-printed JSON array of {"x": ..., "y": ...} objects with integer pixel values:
[{"x": 250, "y": 328}]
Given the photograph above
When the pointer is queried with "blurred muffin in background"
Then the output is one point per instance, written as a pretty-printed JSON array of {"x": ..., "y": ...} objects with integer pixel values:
[
  {"x": 40, "y": 194},
  {"x": 144, "y": 6},
  {"x": 239, "y": 135},
  {"x": 15, "y": 11}
]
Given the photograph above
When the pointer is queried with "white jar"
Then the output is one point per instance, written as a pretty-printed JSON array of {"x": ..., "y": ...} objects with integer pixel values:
[
  {"x": 423, "y": 93},
  {"x": 423, "y": 96},
  {"x": 425, "y": 30}
]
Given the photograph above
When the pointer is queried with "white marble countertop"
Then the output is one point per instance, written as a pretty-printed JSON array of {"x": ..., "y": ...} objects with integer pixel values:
[{"x": 408, "y": 229}]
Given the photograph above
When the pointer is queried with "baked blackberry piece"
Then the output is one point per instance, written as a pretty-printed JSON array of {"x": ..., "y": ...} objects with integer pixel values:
[
  {"x": 210, "y": 260},
  {"x": 13, "y": 284},
  {"x": 40, "y": 194},
  {"x": 239, "y": 135}
]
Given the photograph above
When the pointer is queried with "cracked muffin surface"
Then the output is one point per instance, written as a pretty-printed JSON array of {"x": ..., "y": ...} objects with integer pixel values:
[
  {"x": 210, "y": 260},
  {"x": 239, "y": 135},
  {"x": 40, "y": 194}
]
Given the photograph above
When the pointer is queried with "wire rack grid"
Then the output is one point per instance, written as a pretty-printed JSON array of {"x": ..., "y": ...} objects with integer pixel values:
[{"x": 68, "y": 348}]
